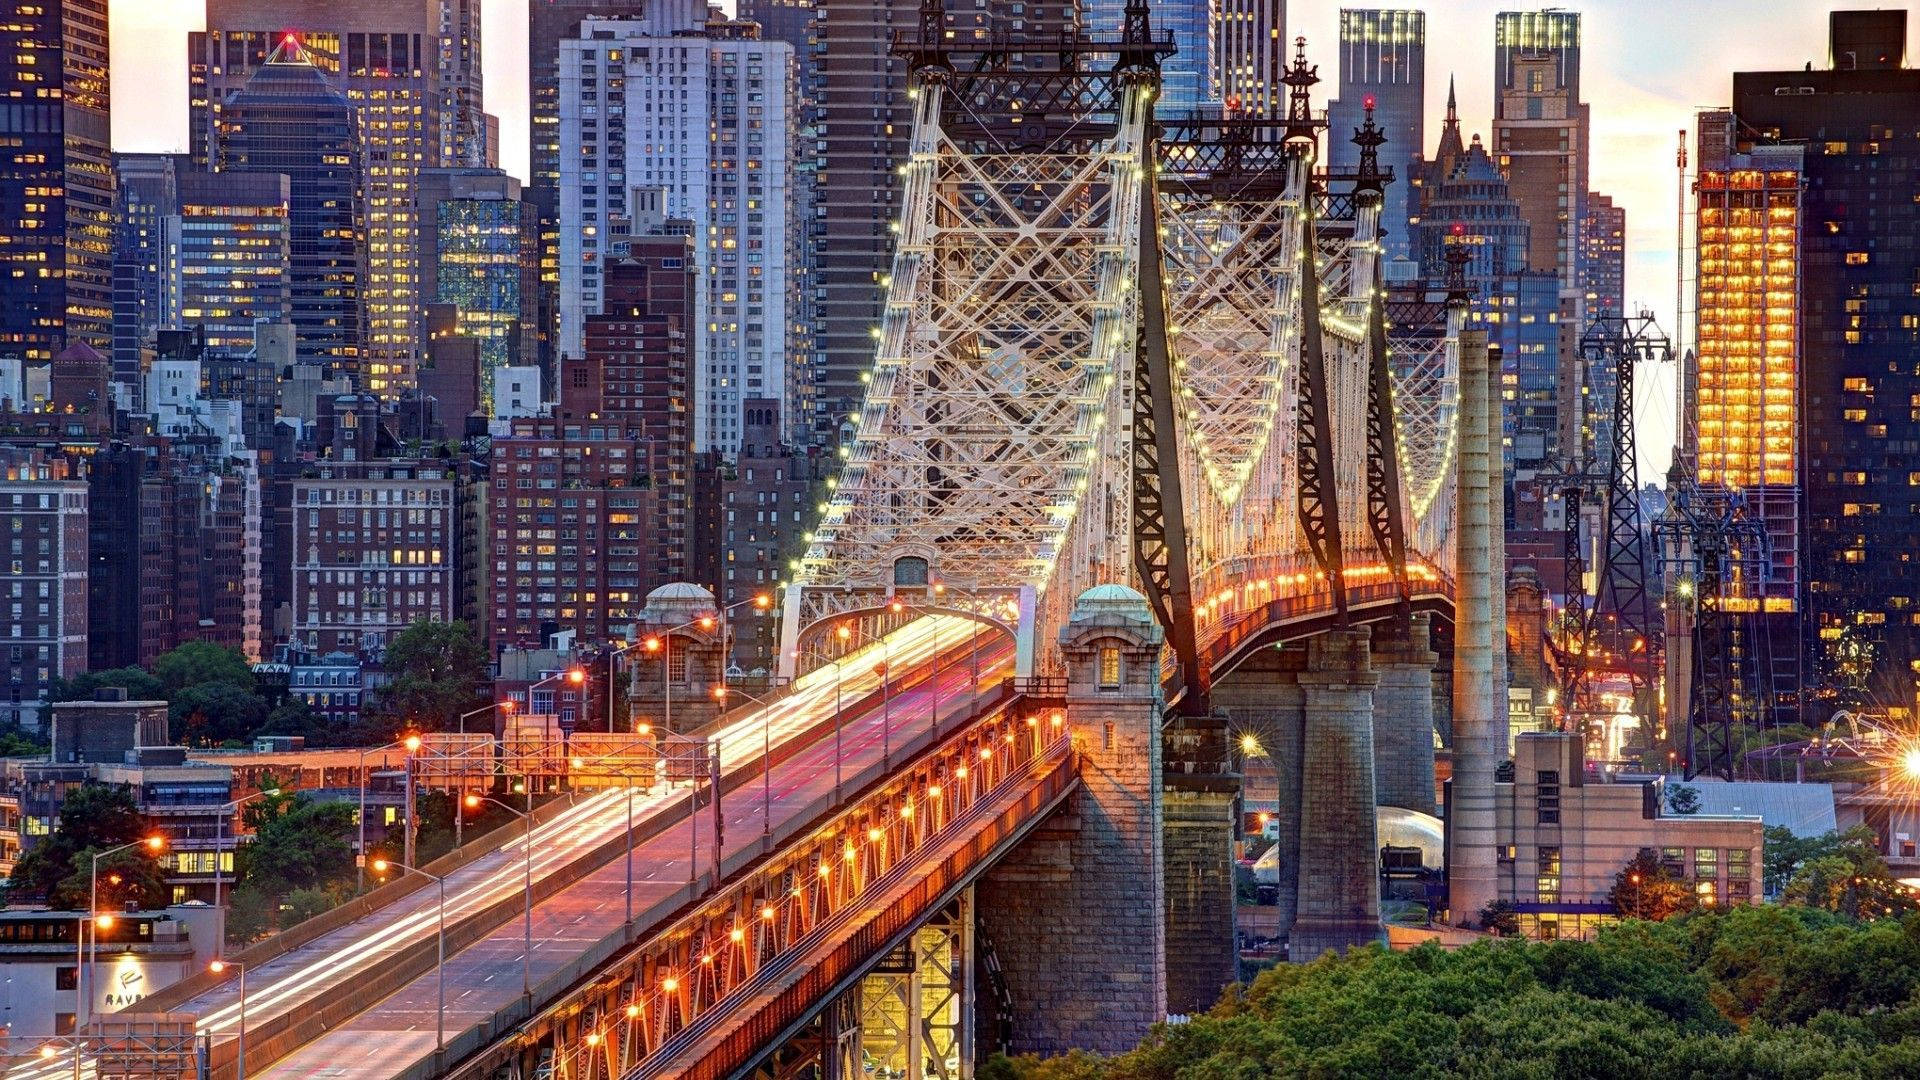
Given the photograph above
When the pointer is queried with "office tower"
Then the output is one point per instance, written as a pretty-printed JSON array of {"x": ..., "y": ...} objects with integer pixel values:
[
  {"x": 229, "y": 257},
  {"x": 289, "y": 119},
  {"x": 1188, "y": 77},
  {"x": 864, "y": 121},
  {"x": 43, "y": 507},
  {"x": 1540, "y": 131},
  {"x": 374, "y": 549},
  {"x": 1859, "y": 315},
  {"x": 1249, "y": 51},
  {"x": 1464, "y": 200},
  {"x": 477, "y": 253},
  {"x": 411, "y": 70},
  {"x": 699, "y": 115},
  {"x": 144, "y": 195},
  {"x": 1746, "y": 433},
  {"x": 56, "y": 179},
  {"x": 1603, "y": 256},
  {"x": 1383, "y": 61},
  {"x": 550, "y": 23}
]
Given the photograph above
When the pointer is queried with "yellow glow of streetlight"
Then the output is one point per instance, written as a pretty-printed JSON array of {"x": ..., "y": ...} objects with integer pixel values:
[
  {"x": 1250, "y": 745},
  {"x": 1910, "y": 763}
]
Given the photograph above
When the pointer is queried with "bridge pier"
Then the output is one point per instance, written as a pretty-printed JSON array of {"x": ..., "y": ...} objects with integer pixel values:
[
  {"x": 1076, "y": 912},
  {"x": 1339, "y": 904},
  {"x": 1403, "y": 715},
  {"x": 1479, "y": 720}
]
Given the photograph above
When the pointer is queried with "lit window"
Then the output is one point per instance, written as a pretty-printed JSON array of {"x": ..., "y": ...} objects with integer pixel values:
[{"x": 1109, "y": 667}]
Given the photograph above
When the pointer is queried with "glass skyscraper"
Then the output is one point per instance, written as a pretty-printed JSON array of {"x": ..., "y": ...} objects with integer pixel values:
[
  {"x": 1383, "y": 58},
  {"x": 1186, "y": 77}
]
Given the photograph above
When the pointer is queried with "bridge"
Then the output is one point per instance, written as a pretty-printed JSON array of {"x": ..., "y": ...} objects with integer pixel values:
[{"x": 1151, "y": 457}]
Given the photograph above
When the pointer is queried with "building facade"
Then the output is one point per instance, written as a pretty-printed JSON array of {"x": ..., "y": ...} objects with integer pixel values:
[
  {"x": 477, "y": 253},
  {"x": 289, "y": 119},
  {"x": 43, "y": 608},
  {"x": 56, "y": 179},
  {"x": 1249, "y": 50},
  {"x": 1848, "y": 363},
  {"x": 229, "y": 256},
  {"x": 1603, "y": 256},
  {"x": 374, "y": 550},
  {"x": 144, "y": 195},
  {"x": 700, "y": 113},
  {"x": 1383, "y": 64},
  {"x": 1541, "y": 130}
]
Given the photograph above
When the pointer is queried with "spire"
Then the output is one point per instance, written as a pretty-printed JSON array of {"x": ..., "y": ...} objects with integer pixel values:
[
  {"x": 1450, "y": 147},
  {"x": 1300, "y": 78},
  {"x": 1369, "y": 138}
]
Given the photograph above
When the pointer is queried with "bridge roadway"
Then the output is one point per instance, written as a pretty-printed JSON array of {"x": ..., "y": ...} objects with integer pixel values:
[
  {"x": 396, "y": 1035},
  {"x": 337, "y": 962}
]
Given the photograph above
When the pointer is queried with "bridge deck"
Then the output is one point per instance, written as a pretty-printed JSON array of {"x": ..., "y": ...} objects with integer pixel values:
[{"x": 578, "y": 928}]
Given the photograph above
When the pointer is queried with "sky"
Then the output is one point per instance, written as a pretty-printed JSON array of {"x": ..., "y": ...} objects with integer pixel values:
[{"x": 1647, "y": 66}]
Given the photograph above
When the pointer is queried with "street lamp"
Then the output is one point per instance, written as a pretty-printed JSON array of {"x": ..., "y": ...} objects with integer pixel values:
[
  {"x": 526, "y": 958},
  {"x": 240, "y": 1042},
  {"x": 440, "y": 959},
  {"x": 506, "y": 704},
  {"x": 662, "y": 643},
  {"x": 766, "y": 753},
  {"x": 155, "y": 844},
  {"x": 412, "y": 743}
]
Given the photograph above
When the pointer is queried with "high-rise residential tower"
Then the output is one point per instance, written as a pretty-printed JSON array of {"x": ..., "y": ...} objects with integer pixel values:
[
  {"x": 289, "y": 119},
  {"x": 1848, "y": 363},
  {"x": 144, "y": 194},
  {"x": 1540, "y": 131},
  {"x": 1603, "y": 256},
  {"x": 56, "y": 179},
  {"x": 477, "y": 253},
  {"x": 1383, "y": 65},
  {"x": 228, "y": 258},
  {"x": 1249, "y": 52},
  {"x": 700, "y": 113},
  {"x": 411, "y": 68}
]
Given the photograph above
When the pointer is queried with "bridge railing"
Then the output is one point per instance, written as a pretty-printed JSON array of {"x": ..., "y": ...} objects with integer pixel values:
[
  {"x": 758, "y": 925},
  {"x": 1240, "y": 598}
]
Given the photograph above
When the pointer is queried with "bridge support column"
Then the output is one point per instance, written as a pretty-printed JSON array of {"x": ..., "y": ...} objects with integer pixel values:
[
  {"x": 670, "y": 686},
  {"x": 1201, "y": 793},
  {"x": 1479, "y": 721},
  {"x": 1339, "y": 847},
  {"x": 1076, "y": 913},
  {"x": 1403, "y": 716},
  {"x": 1263, "y": 698}
]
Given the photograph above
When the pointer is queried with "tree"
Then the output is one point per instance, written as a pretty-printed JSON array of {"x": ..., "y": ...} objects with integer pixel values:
[
  {"x": 126, "y": 877},
  {"x": 93, "y": 817},
  {"x": 139, "y": 685},
  {"x": 296, "y": 717},
  {"x": 250, "y": 914},
  {"x": 197, "y": 663},
  {"x": 213, "y": 713},
  {"x": 1849, "y": 878},
  {"x": 298, "y": 843},
  {"x": 1683, "y": 799},
  {"x": 1646, "y": 889},
  {"x": 435, "y": 672},
  {"x": 1500, "y": 918}
]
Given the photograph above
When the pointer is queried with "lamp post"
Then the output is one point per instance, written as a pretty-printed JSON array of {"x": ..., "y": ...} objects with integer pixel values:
[
  {"x": 760, "y": 602},
  {"x": 766, "y": 754},
  {"x": 412, "y": 744},
  {"x": 240, "y": 1040},
  {"x": 1250, "y": 747},
  {"x": 219, "y": 836},
  {"x": 156, "y": 844},
  {"x": 440, "y": 958},
  {"x": 82, "y": 983},
  {"x": 526, "y": 959},
  {"x": 662, "y": 643},
  {"x": 506, "y": 704}
]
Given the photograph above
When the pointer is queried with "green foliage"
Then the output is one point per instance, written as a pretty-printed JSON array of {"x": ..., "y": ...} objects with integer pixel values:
[
  {"x": 250, "y": 915},
  {"x": 126, "y": 877},
  {"x": 436, "y": 671},
  {"x": 297, "y": 844},
  {"x": 213, "y": 713},
  {"x": 303, "y": 904},
  {"x": 1749, "y": 992},
  {"x": 296, "y": 717},
  {"x": 1646, "y": 889},
  {"x": 93, "y": 817},
  {"x": 16, "y": 741},
  {"x": 1500, "y": 918},
  {"x": 1783, "y": 854},
  {"x": 139, "y": 685},
  {"x": 198, "y": 663}
]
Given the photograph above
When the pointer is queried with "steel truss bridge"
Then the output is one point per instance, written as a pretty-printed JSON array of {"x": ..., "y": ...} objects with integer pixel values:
[{"x": 1117, "y": 348}]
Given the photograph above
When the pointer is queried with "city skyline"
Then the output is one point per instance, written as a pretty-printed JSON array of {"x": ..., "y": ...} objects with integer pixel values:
[{"x": 1642, "y": 84}]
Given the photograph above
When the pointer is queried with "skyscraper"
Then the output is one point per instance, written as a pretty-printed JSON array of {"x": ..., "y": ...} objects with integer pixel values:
[
  {"x": 1540, "y": 131},
  {"x": 144, "y": 194},
  {"x": 1859, "y": 327},
  {"x": 864, "y": 120},
  {"x": 1188, "y": 78},
  {"x": 701, "y": 114},
  {"x": 1603, "y": 256},
  {"x": 477, "y": 252},
  {"x": 411, "y": 68},
  {"x": 228, "y": 255},
  {"x": 1383, "y": 61},
  {"x": 288, "y": 119},
  {"x": 56, "y": 179},
  {"x": 1249, "y": 50}
]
